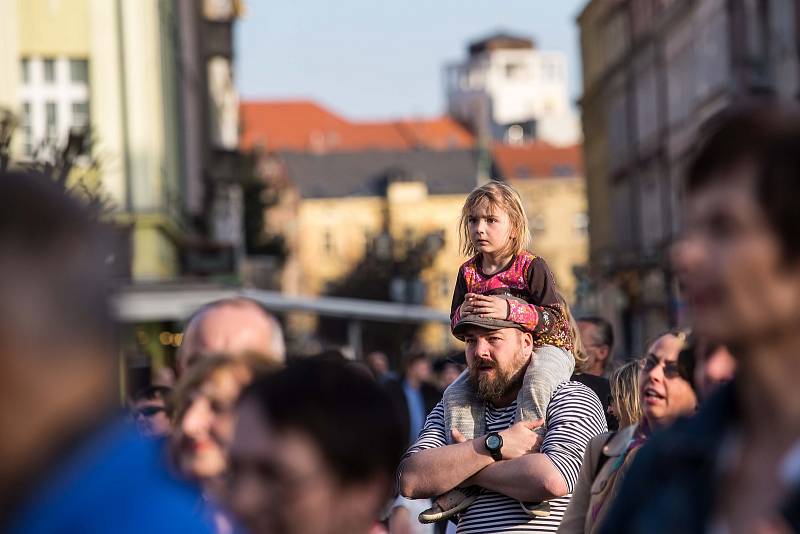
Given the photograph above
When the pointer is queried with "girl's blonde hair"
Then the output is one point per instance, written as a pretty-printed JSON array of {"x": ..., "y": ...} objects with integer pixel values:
[
  {"x": 578, "y": 350},
  {"x": 496, "y": 196},
  {"x": 624, "y": 383}
]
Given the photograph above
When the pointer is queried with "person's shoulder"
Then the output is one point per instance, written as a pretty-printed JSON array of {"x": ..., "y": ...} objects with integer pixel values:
[{"x": 471, "y": 263}]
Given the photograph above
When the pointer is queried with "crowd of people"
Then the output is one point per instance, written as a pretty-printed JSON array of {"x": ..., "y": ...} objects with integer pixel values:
[{"x": 534, "y": 427}]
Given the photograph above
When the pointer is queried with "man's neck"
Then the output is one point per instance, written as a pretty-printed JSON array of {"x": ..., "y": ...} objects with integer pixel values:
[{"x": 768, "y": 387}]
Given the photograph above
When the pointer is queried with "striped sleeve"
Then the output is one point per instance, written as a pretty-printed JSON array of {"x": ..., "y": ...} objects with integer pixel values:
[
  {"x": 574, "y": 416},
  {"x": 432, "y": 434}
]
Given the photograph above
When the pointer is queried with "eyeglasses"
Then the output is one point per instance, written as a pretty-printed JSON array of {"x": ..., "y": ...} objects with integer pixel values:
[
  {"x": 650, "y": 362},
  {"x": 148, "y": 411}
]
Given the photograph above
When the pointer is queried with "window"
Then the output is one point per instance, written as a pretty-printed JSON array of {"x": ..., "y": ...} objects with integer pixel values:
[
  {"x": 51, "y": 123},
  {"x": 49, "y": 70},
  {"x": 537, "y": 224},
  {"x": 581, "y": 223},
  {"x": 25, "y": 70},
  {"x": 79, "y": 70},
  {"x": 80, "y": 115},
  {"x": 327, "y": 243},
  {"x": 563, "y": 170},
  {"x": 27, "y": 133}
]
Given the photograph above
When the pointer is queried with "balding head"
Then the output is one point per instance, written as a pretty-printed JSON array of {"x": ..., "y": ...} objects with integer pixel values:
[{"x": 233, "y": 327}]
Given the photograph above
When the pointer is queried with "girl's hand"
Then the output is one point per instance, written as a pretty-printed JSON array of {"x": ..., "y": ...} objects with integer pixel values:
[
  {"x": 468, "y": 306},
  {"x": 489, "y": 306}
]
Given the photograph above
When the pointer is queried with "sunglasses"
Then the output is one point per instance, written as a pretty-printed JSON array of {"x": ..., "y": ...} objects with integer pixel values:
[
  {"x": 650, "y": 362},
  {"x": 148, "y": 411}
]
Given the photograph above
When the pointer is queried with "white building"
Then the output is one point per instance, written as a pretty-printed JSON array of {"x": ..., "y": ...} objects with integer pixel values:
[{"x": 511, "y": 92}]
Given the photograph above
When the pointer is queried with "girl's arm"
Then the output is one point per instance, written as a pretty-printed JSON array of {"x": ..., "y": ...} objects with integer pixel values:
[{"x": 543, "y": 312}]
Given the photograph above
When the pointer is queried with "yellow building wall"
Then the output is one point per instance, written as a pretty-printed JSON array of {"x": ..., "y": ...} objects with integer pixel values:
[
  {"x": 558, "y": 202},
  {"x": 155, "y": 256},
  {"x": 49, "y": 27}
]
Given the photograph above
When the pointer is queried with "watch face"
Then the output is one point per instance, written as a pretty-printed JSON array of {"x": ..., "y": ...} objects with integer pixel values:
[{"x": 493, "y": 442}]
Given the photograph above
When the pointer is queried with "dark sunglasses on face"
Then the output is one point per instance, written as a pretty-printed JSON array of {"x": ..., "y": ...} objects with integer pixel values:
[
  {"x": 650, "y": 362},
  {"x": 148, "y": 411}
]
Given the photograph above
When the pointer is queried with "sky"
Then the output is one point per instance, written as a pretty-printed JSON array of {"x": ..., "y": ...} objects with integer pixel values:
[{"x": 379, "y": 59}]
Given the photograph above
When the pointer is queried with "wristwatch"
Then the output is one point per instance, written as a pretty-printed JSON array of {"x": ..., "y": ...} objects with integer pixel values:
[{"x": 493, "y": 443}]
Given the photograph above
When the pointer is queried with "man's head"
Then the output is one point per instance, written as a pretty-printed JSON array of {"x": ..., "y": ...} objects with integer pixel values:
[
  {"x": 417, "y": 368},
  {"x": 378, "y": 364},
  {"x": 149, "y": 409},
  {"x": 598, "y": 343},
  {"x": 739, "y": 258},
  {"x": 497, "y": 352},
  {"x": 232, "y": 326},
  {"x": 315, "y": 451},
  {"x": 57, "y": 338}
]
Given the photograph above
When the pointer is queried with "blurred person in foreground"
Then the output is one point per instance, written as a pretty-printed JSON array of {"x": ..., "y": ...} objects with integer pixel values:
[
  {"x": 150, "y": 411},
  {"x": 232, "y": 326},
  {"x": 314, "y": 451},
  {"x": 715, "y": 366},
  {"x": 512, "y": 467},
  {"x": 69, "y": 460},
  {"x": 661, "y": 383},
  {"x": 734, "y": 466}
]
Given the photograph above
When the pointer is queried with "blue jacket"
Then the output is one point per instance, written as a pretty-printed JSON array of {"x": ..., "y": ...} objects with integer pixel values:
[{"x": 671, "y": 485}]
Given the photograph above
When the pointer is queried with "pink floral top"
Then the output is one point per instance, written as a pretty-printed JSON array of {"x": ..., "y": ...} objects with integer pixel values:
[{"x": 528, "y": 277}]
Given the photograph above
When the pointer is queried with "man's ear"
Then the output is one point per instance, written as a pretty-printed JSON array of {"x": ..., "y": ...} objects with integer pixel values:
[{"x": 527, "y": 343}]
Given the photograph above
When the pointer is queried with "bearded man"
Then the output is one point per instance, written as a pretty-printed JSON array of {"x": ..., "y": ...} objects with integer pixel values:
[{"x": 482, "y": 438}]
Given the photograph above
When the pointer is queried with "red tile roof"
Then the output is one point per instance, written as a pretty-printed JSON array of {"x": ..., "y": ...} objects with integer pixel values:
[
  {"x": 307, "y": 126},
  {"x": 537, "y": 160}
]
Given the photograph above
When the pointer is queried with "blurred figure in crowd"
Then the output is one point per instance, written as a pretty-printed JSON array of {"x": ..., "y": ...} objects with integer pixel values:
[
  {"x": 231, "y": 326},
  {"x": 666, "y": 389},
  {"x": 378, "y": 364},
  {"x": 598, "y": 342},
  {"x": 204, "y": 401},
  {"x": 625, "y": 404},
  {"x": 68, "y": 461},
  {"x": 314, "y": 451},
  {"x": 446, "y": 370},
  {"x": 733, "y": 467},
  {"x": 591, "y": 357},
  {"x": 413, "y": 396},
  {"x": 149, "y": 410},
  {"x": 165, "y": 376},
  {"x": 715, "y": 366}
]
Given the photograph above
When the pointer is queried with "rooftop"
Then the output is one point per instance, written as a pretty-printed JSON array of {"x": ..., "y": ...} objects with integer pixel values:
[
  {"x": 303, "y": 125},
  {"x": 537, "y": 160}
]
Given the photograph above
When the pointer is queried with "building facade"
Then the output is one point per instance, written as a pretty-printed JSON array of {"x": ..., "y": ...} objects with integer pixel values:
[
  {"x": 509, "y": 91},
  {"x": 653, "y": 72}
]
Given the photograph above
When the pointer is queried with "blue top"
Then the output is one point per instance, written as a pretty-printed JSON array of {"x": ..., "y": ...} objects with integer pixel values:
[
  {"x": 116, "y": 481},
  {"x": 416, "y": 411}
]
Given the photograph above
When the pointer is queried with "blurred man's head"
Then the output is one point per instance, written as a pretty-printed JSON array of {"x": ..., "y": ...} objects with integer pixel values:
[
  {"x": 446, "y": 371},
  {"x": 315, "y": 451},
  {"x": 739, "y": 258},
  {"x": 378, "y": 363},
  {"x": 149, "y": 410},
  {"x": 232, "y": 327},
  {"x": 598, "y": 343},
  {"x": 417, "y": 368},
  {"x": 57, "y": 338},
  {"x": 715, "y": 366}
]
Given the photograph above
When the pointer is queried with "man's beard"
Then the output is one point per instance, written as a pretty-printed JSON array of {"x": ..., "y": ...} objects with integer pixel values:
[{"x": 494, "y": 388}]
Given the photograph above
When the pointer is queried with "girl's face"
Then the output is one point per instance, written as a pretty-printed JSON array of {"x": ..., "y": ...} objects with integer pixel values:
[{"x": 489, "y": 229}]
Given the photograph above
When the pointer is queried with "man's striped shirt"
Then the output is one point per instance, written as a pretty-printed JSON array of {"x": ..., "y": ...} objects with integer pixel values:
[{"x": 573, "y": 417}]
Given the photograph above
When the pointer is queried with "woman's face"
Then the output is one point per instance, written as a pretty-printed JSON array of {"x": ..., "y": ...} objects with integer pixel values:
[
  {"x": 663, "y": 393},
  {"x": 206, "y": 427}
]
